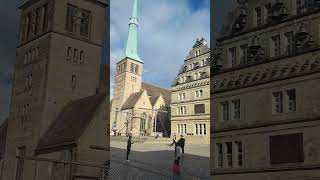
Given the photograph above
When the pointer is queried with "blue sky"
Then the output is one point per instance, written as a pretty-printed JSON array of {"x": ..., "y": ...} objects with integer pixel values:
[{"x": 167, "y": 31}]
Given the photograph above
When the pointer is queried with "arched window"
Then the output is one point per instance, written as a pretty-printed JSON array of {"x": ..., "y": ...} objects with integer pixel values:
[
  {"x": 69, "y": 52},
  {"x": 81, "y": 57}
]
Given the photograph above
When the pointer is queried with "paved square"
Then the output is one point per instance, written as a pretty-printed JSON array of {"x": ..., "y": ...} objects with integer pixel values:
[{"x": 154, "y": 161}]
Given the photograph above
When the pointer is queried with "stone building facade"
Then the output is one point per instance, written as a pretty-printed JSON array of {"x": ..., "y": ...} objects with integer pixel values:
[
  {"x": 137, "y": 107},
  {"x": 57, "y": 65},
  {"x": 265, "y": 92},
  {"x": 190, "y": 96}
]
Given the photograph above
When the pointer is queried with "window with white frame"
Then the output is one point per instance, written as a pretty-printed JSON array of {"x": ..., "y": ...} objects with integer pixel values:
[
  {"x": 182, "y": 96},
  {"x": 198, "y": 93},
  {"x": 181, "y": 110},
  {"x": 225, "y": 110},
  {"x": 276, "y": 46},
  {"x": 258, "y": 16},
  {"x": 232, "y": 56},
  {"x": 72, "y": 13},
  {"x": 229, "y": 154},
  {"x": 236, "y": 109},
  {"x": 239, "y": 152},
  {"x": 278, "y": 102},
  {"x": 244, "y": 54},
  {"x": 289, "y": 42},
  {"x": 291, "y": 97},
  {"x": 219, "y": 161}
]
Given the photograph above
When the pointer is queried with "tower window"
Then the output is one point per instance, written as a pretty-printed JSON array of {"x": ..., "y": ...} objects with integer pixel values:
[
  {"x": 73, "y": 81},
  {"x": 37, "y": 20},
  {"x": 81, "y": 57},
  {"x": 72, "y": 13},
  {"x": 45, "y": 18},
  {"x": 29, "y": 25},
  {"x": 85, "y": 22},
  {"x": 69, "y": 52},
  {"x": 75, "y": 55}
]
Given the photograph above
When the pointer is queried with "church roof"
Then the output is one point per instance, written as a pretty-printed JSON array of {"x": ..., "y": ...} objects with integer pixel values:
[
  {"x": 132, "y": 100},
  {"x": 3, "y": 138},
  {"x": 70, "y": 124},
  {"x": 154, "y": 92}
]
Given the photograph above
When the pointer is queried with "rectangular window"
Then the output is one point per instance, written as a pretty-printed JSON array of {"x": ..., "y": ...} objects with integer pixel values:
[
  {"x": 240, "y": 153},
  {"x": 244, "y": 54},
  {"x": 37, "y": 21},
  {"x": 291, "y": 96},
  {"x": 204, "y": 129},
  {"x": 45, "y": 18},
  {"x": 229, "y": 154},
  {"x": 196, "y": 128},
  {"x": 72, "y": 13},
  {"x": 225, "y": 111},
  {"x": 29, "y": 25},
  {"x": 75, "y": 55},
  {"x": 178, "y": 129},
  {"x": 289, "y": 42},
  {"x": 232, "y": 56},
  {"x": 286, "y": 149},
  {"x": 278, "y": 102},
  {"x": 268, "y": 12},
  {"x": 276, "y": 45},
  {"x": 236, "y": 109},
  {"x": 136, "y": 69},
  {"x": 185, "y": 129},
  {"x": 21, "y": 152},
  {"x": 258, "y": 16},
  {"x": 85, "y": 23},
  {"x": 200, "y": 128},
  {"x": 219, "y": 157},
  {"x": 68, "y": 168},
  {"x": 199, "y": 108}
]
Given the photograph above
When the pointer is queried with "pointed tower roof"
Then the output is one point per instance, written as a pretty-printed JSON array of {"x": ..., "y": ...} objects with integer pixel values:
[{"x": 131, "y": 46}]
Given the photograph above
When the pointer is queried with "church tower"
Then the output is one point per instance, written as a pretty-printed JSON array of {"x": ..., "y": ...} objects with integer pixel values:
[
  {"x": 128, "y": 76},
  {"x": 58, "y": 60}
]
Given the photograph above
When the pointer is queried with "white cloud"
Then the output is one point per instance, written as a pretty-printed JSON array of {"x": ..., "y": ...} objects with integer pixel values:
[{"x": 167, "y": 31}]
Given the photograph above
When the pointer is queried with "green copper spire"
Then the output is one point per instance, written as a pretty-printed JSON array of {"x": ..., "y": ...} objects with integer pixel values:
[{"x": 131, "y": 47}]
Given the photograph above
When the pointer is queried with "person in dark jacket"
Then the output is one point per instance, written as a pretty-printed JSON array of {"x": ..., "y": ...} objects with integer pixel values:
[
  {"x": 181, "y": 142},
  {"x": 129, "y": 146}
]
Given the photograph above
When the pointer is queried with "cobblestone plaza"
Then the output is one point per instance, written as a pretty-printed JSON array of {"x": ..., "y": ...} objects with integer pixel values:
[{"x": 155, "y": 160}]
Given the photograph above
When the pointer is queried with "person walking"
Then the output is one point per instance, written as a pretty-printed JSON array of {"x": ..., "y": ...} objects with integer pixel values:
[
  {"x": 129, "y": 145},
  {"x": 181, "y": 142},
  {"x": 178, "y": 154},
  {"x": 174, "y": 142}
]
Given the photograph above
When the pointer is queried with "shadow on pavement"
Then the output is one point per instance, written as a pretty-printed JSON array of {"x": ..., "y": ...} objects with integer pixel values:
[{"x": 156, "y": 165}]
